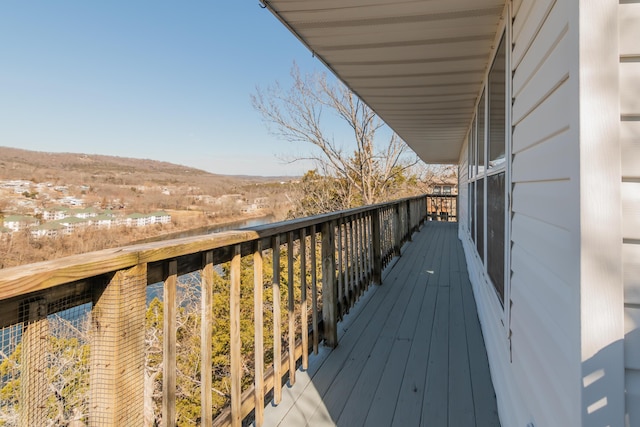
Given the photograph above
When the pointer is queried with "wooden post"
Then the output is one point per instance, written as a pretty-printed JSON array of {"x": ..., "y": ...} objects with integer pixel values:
[
  {"x": 234, "y": 343},
  {"x": 409, "y": 225},
  {"x": 117, "y": 352},
  {"x": 169, "y": 347},
  {"x": 34, "y": 386},
  {"x": 348, "y": 268},
  {"x": 377, "y": 252},
  {"x": 424, "y": 209},
  {"x": 314, "y": 289},
  {"x": 258, "y": 283},
  {"x": 352, "y": 262},
  {"x": 455, "y": 209},
  {"x": 367, "y": 246},
  {"x": 329, "y": 294},
  {"x": 277, "y": 334},
  {"x": 341, "y": 287},
  {"x": 397, "y": 238},
  {"x": 304, "y": 311},
  {"x": 291, "y": 310},
  {"x": 357, "y": 257},
  {"x": 206, "y": 337}
]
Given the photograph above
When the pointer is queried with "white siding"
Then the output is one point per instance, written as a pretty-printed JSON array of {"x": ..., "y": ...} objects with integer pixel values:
[
  {"x": 544, "y": 286},
  {"x": 629, "y": 27},
  {"x": 536, "y": 373}
]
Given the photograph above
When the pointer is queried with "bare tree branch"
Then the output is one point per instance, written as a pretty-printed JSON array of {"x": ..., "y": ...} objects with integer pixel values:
[{"x": 367, "y": 169}]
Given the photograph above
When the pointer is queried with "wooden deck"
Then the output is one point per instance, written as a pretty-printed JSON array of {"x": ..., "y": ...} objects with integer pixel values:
[{"x": 410, "y": 353}]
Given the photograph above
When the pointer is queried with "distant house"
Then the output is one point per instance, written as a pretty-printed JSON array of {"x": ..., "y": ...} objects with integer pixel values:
[
  {"x": 103, "y": 221},
  {"x": 72, "y": 224},
  {"x": 55, "y": 213},
  {"x": 20, "y": 222},
  {"x": 160, "y": 217},
  {"x": 71, "y": 201},
  {"x": 49, "y": 229},
  {"x": 85, "y": 213},
  {"x": 136, "y": 220},
  {"x": 261, "y": 202},
  {"x": 445, "y": 189}
]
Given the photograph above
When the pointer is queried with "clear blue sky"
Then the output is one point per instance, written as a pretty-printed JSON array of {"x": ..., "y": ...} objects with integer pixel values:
[{"x": 164, "y": 80}]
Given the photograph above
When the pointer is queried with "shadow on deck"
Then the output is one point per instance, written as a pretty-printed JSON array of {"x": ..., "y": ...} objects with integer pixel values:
[{"x": 410, "y": 353}]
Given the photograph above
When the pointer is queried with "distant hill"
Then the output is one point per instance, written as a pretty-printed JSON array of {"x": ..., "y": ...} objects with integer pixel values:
[{"x": 78, "y": 168}]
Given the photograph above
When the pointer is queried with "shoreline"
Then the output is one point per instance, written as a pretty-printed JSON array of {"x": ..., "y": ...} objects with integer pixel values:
[{"x": 210, "y": 229}]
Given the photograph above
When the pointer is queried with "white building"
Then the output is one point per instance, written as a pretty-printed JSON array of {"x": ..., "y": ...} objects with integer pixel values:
[
  {"x": 49, "y": 229},
  {"x": 160, "y": 217},
  {"x": 103, "y": 221},
  {"x": 55, "y": 213},
  {"x": 73, "y": 224},
  {"x": 20, "y": 222},
  {"x": 538, "y": 102}
]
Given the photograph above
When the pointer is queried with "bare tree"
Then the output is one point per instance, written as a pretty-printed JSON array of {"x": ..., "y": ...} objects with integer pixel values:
[{"x": 296, "y": 115}]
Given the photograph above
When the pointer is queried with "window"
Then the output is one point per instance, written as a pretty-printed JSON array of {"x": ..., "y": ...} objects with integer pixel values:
[
  {"x": 480, "y": 217},
  {"x": 481, "y": 135},
  {"x": 495, "y": 231},
  {"x": 497, "y": 117},
  {"x": 487, "y": 186},
  {"x": 446, "y": 189},
  {"x": 495, "y": 183},
  {"x": 472, "y": 149},
  {"x": 472, "y": 210}
]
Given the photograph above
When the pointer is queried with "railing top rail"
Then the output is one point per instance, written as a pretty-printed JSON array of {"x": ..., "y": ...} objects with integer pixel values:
[{"x": 22, "y": 280}]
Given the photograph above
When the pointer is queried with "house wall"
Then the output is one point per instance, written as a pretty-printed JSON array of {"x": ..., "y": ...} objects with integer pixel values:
[
  {"x": 544, "y": 280},
  {"x": 629, "y": 29},
  {"x": 555, "y": 349}
]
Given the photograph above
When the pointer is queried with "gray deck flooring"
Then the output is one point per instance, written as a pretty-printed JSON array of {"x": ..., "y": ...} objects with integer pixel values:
[{"x": 411, "y": 352}]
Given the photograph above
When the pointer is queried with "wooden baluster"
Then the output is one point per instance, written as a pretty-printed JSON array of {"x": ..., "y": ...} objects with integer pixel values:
[
  {"x": 258, "y": 284},
  {"x": 363, "y": 256},
  {"x": 292, "y": 311},
  {"x": 234, "y": 343},
  {"x": 358, "y": 254},
  {"x": 398, "y": 231},
  {"x": 304, "y": 312},
  {"x": 409, "y": 227},
  {"x": 376, "y": 248},
  {"x": 206, "y": 337},
  {"x": 340, "y": 275},
  {"x": 329, "y": 294},
  {"x": 277, "y": 334},
  {"x": 169, "y": 346},
  {"x": 352, "y": 262},
  {"x": 314, "y": 289},
  {"x": 347, "y": 261},
  {"x": 367, "y": 244}
]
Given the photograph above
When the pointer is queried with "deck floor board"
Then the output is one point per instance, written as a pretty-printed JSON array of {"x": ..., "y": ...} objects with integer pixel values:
[{"x": 410, "y": 353}]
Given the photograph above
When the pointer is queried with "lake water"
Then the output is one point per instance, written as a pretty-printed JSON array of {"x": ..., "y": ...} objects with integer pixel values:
[{"x": 210, "y": 229}]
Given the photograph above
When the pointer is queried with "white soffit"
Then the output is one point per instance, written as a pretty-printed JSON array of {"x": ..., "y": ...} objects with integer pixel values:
[{"x": 419, "y": 64}]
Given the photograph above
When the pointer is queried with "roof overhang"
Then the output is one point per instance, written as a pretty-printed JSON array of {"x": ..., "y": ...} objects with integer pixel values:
[{"x": 418, "y": 64}]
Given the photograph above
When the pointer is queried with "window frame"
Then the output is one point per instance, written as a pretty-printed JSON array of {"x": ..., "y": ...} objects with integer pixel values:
[{"x": 479, "y": 175}]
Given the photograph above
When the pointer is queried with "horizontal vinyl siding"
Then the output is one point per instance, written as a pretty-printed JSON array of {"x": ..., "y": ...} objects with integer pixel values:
[
  {"x": 544, "y": 287},
  {"x": 629, "y": 27}
]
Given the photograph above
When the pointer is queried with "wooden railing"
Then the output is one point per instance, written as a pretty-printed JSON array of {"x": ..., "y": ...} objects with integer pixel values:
[
  {"x": 129, "y": 336},
  {"x": 442, "y": 207}
]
